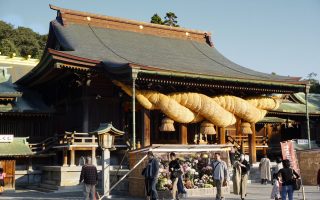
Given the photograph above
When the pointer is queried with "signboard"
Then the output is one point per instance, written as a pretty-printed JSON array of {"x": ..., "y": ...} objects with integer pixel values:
[
  {"x": 6, "y": 138},
  {"x": 302, "y": 141},
  {"x": 288, "y": 153}
]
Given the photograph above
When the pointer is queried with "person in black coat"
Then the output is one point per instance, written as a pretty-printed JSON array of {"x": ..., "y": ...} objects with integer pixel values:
[
  {"x": 150, "y": 174},
  {"x": 287, "y": 175}
]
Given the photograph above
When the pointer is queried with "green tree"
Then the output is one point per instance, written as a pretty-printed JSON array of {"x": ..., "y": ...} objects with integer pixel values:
[
  {"x": 315, "y": 85},
  {"x": 170, "y": 19},
  {"x": 156, "y": 19},
  {"x": 22, "y": 41}
]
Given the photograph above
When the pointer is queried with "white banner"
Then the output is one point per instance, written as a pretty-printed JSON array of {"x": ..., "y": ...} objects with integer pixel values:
[{"x": 6, "y": 138}]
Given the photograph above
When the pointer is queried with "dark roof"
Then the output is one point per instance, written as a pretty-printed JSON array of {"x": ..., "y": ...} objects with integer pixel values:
[
  {"x": 121, "y": 45},
  {"x": 116, "y": 48}
]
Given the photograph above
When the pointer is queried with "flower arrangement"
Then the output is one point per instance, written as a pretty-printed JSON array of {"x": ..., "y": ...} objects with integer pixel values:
[{"x": 197, "y": 173}]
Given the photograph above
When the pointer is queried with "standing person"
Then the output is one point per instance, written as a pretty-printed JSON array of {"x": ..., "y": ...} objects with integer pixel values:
[
  {"x": 287, "y": 175},
  {"x": 2, "y": 176},
  {"x": 175, "y": 173},
  {"x": 220, "y": 174},
  {"x": 89, "y": 175},
  {"x": 275, "y": 194},
  {"x": 265, "y": 170},
  {"x": 240, "y": 177},
  {"x": 150, "y": 174},
  {"x": 279, "y": 164}
]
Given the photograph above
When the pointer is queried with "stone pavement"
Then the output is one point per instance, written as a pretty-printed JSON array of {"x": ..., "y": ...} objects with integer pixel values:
[{"x": 255, "y": 192}]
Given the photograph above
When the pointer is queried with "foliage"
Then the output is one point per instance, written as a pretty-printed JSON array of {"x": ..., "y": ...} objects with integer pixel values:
[
  {"x": 21, "y": 41},
  {"x": 315, "y": 85},
  {"x": 170, "y": 19},
  {"x": 156, "y": 19}
]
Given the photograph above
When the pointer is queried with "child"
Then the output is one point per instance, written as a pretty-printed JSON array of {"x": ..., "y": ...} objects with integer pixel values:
[
  {"x": 2, "y": 175},
  {"x": 275, "y": 194}
]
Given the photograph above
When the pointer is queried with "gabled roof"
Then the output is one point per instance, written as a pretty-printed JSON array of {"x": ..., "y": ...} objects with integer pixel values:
[
  {"x": 18, "y": 147},
  {"x": 122, "y": 45}
]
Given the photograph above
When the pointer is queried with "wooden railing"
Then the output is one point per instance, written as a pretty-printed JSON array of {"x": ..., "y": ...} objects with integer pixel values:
[{"x": 72, "y": 138}]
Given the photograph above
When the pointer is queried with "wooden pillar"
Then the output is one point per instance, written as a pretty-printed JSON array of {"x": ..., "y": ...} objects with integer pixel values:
[
  {"x": 72, "y": 157},
  {"x": 252, "y": 145},
  {"x": 65, "y": 157},
  {"x": 146, "y": 127},
  {"x": 157, "y": 125},
  {"x": 265, "y": 135},
  {"x": 183, "y": 134},
  {"x": 93, "y": 155},
  {"x": 222, "y": 135}
]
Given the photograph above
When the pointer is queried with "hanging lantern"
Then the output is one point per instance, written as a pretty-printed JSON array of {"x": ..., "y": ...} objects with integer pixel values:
[
  {"x": 246, "y": 128},
  {"x": 167, "y": 124},
  {"x": 207, "y": 128}
]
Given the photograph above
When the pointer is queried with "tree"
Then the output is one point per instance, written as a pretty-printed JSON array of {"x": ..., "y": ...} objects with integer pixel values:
[
  {"x": 22, "y": 41},
  {"x": 170, "y": 19},
  {"x": 315, "y": 85},
  {"x": 156, "y": 19}
]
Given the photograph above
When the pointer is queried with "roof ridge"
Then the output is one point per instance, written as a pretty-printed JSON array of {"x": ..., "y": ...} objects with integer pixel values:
[{"x": 80, "y": 17}]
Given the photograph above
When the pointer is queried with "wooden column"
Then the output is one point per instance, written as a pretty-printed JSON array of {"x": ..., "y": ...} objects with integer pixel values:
[
  {"x": 65, "y": 157},
  {"x": 222, "y": 135},
  {"x": 72, "y": 157},
  {"x": 183, "y": 134},
  {"x": 93, "y": 155},
  {"x": 146, "y": 127},
  {"x": 252, "y": 145},
  {"x": 265, "y": 135}
]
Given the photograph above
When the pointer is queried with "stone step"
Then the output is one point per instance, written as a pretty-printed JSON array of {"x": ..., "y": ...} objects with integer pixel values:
[{"x": 38, "y": 188}]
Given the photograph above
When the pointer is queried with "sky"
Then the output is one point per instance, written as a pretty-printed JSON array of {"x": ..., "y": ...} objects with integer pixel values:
[{"x": 264, "y": 35}]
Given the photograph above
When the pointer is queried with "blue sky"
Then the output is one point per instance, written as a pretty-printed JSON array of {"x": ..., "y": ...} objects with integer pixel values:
[{"x": 264, "y": 35}]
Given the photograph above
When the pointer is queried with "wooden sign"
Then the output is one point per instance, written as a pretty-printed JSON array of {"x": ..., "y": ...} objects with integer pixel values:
[{"x": 6, "y": 138}]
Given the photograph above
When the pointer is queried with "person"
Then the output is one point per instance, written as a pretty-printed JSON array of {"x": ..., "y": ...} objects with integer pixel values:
[
  {"x": 150, "y": 174},
  {"x": 175, "y": 173},
  {"x": 275, "y": 193},
  {"x": 219, "y": 174},
  {"x": 89, "y": 175},
  {"x": 287, "y": 174},
  {"x": 240, "y": 177},
  {"x": 265, "y": 170},
  {"x": 2, "y": 176},
  {"x": 279, "y": 164}
]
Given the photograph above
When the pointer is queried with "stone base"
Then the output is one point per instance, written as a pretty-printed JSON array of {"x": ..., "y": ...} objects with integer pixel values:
[{"x": 200, "y": 192}]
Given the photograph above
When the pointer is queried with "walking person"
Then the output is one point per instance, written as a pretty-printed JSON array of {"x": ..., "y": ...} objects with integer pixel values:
[
  {"x": 89, "y": 175},
  {"x": 220, "y": 174},
  {"x": 287, "y": 175},
  {"x": 175, "y": 172},
  {"x": 265, "y": 170},
  {"x": 150, "y": 174},
  {"x": 240, "y": 178},
  {"x": 2, "y": 176}
]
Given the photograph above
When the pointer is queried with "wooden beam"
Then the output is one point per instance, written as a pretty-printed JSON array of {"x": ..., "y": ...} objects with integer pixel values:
[
  {"x": 252, "y": 145},
  {"x": 146, "y": 127},
  {"x": 183, "y": 134},
  {"x": 222, "y": 135}
]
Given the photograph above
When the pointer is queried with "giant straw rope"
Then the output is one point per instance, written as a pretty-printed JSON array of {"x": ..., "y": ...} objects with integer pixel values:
[{"x": 190, "y": 107}]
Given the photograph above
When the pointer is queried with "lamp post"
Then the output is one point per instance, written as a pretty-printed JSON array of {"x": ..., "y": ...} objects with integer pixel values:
[{"x": 106, "y": 134}]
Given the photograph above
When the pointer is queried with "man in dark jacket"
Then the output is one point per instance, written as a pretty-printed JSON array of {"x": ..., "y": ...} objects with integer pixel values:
[
  {"x": 151, "y": 176},
  {"x": 89, "y": 175}
]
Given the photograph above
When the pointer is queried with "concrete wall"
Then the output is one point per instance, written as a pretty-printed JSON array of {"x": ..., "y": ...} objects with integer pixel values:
[{"x": 309, "y": 162}]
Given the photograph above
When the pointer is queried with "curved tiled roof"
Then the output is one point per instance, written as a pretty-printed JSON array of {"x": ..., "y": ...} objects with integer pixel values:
[{"x": 119, "y": 42}]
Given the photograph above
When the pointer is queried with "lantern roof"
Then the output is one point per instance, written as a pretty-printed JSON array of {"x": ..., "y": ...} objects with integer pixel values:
[{"x": 107, "y": 128}]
